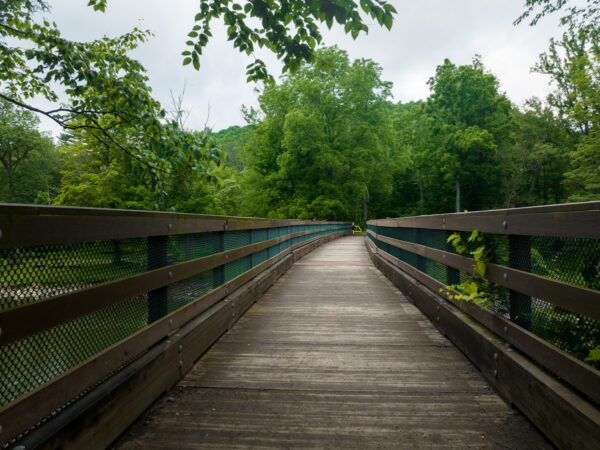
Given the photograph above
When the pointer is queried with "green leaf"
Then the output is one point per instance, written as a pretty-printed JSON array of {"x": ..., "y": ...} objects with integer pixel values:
[
  {"x": 478, "y": 254},
  {"x": 452, "y": 237},
  {"x": 474, "y": 235},
  {"x": 388, "y": 21},
  {"x": 594, "y": 355},
  {"x": 480, "y": 268},
  {"x": 470, "y": 288}
]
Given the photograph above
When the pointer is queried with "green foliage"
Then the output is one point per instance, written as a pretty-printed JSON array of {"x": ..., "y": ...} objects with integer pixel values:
[
  {"x": 288, "y": 28},
  {"x": 108, "y": 97},
  {"x": 574, "y": 65},
  {"x": 28, "y": 159},
  {"x": 578, "y": 17},
  {"x": 533, "y": 168},
  {"x": 94, "y": 175},
  {"x": 583, "y": 180},
  {"x": 452, "y": 143},
  {"x": 594, "y": 355},
  {"x": 468, "y": 290},
  {"x": 576, "y": 334},
  {"x": 233, "y": 140},
  {"x": 322, "y": 148}
]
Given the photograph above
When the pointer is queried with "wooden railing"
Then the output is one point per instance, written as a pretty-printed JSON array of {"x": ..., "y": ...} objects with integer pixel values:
[
  {"x": 545, "y": 272},
  {"x": 86, "y": 294}
]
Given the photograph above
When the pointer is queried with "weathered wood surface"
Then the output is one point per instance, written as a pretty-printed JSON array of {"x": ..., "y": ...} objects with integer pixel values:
[{"x": 332, "y": 356}]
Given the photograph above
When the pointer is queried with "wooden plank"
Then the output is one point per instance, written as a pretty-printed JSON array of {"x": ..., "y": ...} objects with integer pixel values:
[
  {"x": 21, "y": 224},
  {"x": 577, "y": 221},
  {"x": 332, "y": 357},
  {"x": 29, "y": 409},
  {"x": 27, "y": 320},
  {"x": 581, "y": 376},
  {"x": 565, "y": 418},
  {"x": 577, "y": 299},
  {"x": 252, "y": 418}
]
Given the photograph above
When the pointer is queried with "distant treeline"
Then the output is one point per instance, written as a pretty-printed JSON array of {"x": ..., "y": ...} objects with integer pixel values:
[{"x": 328, "y": 142}]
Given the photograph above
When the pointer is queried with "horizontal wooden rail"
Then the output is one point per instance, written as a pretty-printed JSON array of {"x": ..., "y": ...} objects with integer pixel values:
[
  {"x": 576, "y": 220},
  {"x": 30, "y": 319},
  {"x": 581, "y": 376},
  {"x": 21, "y": 225},
  {"x": 577, "y": 299},
  {"x": 35, "y": 405}
]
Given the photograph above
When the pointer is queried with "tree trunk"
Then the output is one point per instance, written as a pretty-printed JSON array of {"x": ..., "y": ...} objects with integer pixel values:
[
  {"x": 11, "y": 188},
  {"x": 366, "y": 205},
  {"x": 10, "y": 176},
  {"x": 421, "y": 198},
  {"x": 457, "y": 193}
]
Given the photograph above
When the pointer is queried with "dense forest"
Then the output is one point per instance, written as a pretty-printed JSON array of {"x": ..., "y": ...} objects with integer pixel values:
[{"x": 327, "y": 141}]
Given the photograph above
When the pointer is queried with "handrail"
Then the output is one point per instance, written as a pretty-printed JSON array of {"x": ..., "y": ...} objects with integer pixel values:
[
  {"x": 579, "y": 220},
  {"x": 20, "y": 225},
  {"x": 240, "y": 249}
]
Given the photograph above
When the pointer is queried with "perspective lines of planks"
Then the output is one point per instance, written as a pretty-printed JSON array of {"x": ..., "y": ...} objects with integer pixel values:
[{"x": 332, "y": 356}]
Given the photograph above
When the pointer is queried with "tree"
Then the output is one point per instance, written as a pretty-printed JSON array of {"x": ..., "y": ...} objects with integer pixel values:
[
  {"x": 410, "y": 168},
  {"x": 233, "y": 140},
  {"x": 576, "y": 17},
  {"x": 573, "y": 64},
  {"x": 533, "y": 168},
  {"x": 107, "y": 92},
  {"x": 22, "y": 146},
  {"x": 322, "y": 148},
  {"x": 583, "y": 179},
  {"x": 472, "y": 123}
]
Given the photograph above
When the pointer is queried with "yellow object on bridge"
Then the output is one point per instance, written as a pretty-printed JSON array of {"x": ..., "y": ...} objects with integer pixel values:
[{"x": 356, "y": 229}]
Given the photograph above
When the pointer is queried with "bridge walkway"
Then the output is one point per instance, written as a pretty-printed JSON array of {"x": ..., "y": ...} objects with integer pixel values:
[{"x": 332, "y": 356}]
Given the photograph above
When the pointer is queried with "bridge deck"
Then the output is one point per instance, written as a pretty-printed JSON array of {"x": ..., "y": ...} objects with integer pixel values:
[{"x": 332, "y": 356}]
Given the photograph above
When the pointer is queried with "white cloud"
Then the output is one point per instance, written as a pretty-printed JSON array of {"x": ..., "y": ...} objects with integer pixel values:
[{"x": 424, "y": 33}]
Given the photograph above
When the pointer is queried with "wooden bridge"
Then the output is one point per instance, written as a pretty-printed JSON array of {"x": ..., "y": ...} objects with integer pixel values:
[{"x": 145, "y": 330}]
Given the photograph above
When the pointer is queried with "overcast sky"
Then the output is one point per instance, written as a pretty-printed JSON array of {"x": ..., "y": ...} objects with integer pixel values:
[{"x": 424, "y": 33}]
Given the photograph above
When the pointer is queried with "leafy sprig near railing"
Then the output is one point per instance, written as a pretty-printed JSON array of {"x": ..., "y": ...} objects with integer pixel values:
[{"x": 468, "y": 290}]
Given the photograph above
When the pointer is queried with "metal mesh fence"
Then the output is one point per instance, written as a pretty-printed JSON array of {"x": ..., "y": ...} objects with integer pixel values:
[
  {"x": 29, "y": 275},
  {"x": 571, "y": 260}
]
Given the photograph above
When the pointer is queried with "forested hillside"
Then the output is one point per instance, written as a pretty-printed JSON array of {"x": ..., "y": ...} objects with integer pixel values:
[{"x": 328, "y": 141}]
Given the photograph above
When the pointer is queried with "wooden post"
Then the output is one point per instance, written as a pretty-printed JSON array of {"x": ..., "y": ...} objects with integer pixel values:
[
  {"x": 520, "y": 258},
  {"x": 452, "y": 274},
  {"x": 218, "y": 247},
  {"x": 157, "y": 258},
  {"x": 421, "y": 261}
]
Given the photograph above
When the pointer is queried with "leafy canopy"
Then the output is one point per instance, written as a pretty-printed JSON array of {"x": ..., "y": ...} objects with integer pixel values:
[
  {"x": 323, "y": 146},
  {"x": 289, "y": 28},
  {"x": 576, "y": 17},
  {"x": 108, "y": 96},
  {"x": 27, "y": 158}
]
